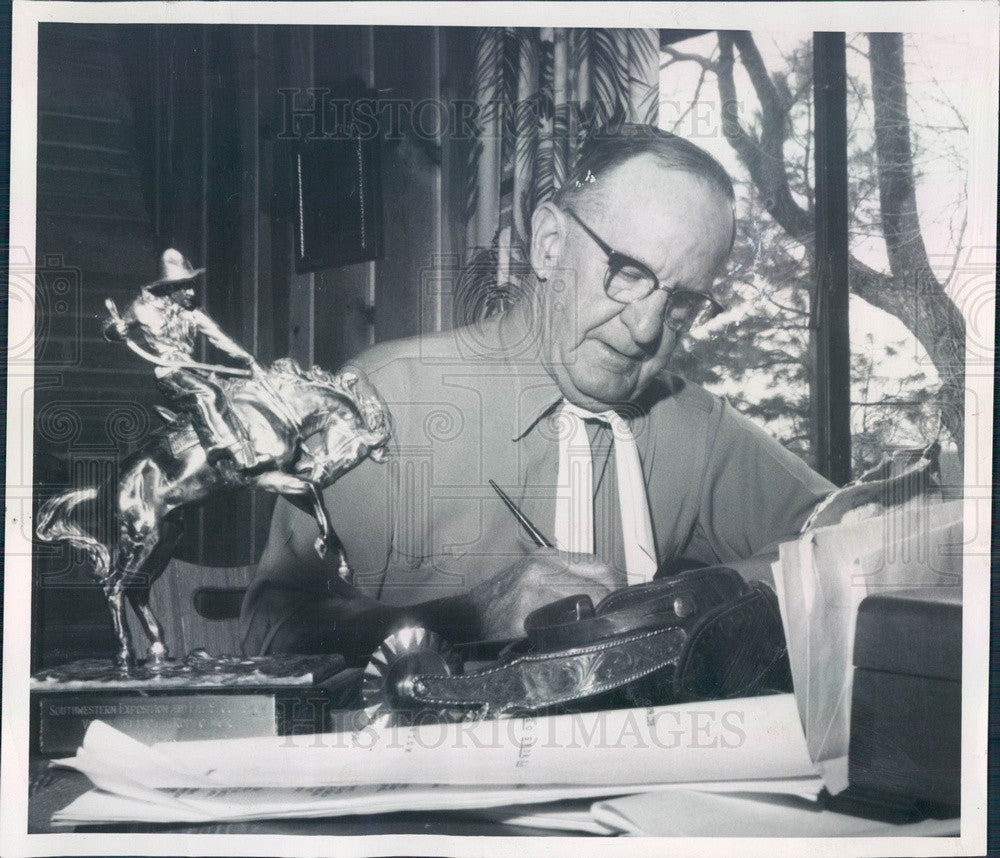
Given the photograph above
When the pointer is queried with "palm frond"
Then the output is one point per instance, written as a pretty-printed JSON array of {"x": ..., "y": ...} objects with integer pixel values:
[
  {"x": 513, "y": 40},
  {"x": 480, "y": 293},
  {"x": 472, "y": 181},
  {"x": 644, "y": 75},
  {"x": 546, "y": 77},
  {"x": 647, "y": 109},
  {"x": 543, "y": 91},
  {"x": 609, "y": 73},
  {"x": 489, "y": 70},
  {"x": 644, "y": 47},
  {"x": 564, "y": 144}
]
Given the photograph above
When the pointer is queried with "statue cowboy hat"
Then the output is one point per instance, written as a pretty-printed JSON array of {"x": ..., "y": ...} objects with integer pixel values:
[{"x": 175, "y": 271}]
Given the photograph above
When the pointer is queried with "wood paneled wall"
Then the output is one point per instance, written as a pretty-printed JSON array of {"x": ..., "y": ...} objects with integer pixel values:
[{"x": 94, "y": 240}]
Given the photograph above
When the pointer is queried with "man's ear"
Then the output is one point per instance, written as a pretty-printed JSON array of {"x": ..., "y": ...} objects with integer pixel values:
[{"x": 548, "y": 232}]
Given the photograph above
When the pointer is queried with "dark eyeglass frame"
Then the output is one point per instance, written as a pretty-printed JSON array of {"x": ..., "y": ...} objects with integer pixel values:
[{"x": 617, "y": 261}]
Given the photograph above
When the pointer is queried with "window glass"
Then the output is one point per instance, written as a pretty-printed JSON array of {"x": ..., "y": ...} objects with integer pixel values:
[{"x": 750, "y": 104}]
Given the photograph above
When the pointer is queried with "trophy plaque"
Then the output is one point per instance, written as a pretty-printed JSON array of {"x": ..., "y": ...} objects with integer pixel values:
[{"x": 198, "y": 697}]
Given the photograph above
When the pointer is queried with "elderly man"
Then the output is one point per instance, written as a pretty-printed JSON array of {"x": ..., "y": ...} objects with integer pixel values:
[{"x": 565, "y": 403}]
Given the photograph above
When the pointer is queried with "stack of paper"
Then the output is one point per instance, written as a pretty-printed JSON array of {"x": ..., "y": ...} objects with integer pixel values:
[
  {"x": 822, "y": 578},
  {"x": 753, "y": 744}
]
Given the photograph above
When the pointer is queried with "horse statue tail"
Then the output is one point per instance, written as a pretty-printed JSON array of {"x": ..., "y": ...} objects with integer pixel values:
[{"x": 58, "y": 520}]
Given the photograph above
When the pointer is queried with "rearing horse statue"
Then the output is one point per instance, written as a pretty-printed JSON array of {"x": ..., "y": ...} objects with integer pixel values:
[{"x": 281, "y": 429}]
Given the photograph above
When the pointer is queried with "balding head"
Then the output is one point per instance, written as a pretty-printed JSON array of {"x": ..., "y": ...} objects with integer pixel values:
[{"x": 605, "y": 151}]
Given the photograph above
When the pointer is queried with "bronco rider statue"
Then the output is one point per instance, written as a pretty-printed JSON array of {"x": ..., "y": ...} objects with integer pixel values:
[{"x": 161, "y": 326}]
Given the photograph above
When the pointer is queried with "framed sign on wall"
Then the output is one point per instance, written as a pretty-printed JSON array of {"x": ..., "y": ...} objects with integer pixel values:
[{"x": 338, "y": 195}]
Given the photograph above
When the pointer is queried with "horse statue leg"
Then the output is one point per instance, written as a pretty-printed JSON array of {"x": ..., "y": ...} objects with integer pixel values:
[
  {"x": 113, "y": 592},
  {"x": 137, "y": 591},
  {"x": 298, "y": 491},
  {"x": 139, "y": 538}
]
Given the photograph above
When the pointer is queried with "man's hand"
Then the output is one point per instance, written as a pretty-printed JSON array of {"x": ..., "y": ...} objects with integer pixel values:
[
  {"x": 503, "y": 601},
  {"x": 115, "y": 331},
  {"x": 115, "y": 327}
]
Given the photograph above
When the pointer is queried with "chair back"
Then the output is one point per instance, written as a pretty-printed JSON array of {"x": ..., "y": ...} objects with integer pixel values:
[{"x": 198, "y": 608}]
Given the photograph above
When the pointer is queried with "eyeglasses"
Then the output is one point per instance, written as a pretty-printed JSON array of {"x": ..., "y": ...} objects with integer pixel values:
[{"x": 628, "y": 281}]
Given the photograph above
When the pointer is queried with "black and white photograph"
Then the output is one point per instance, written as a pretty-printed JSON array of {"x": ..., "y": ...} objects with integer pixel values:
[{"x": 535, "y": 428}]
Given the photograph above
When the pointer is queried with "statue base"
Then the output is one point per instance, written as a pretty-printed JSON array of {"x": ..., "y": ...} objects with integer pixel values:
[{"x": 198, "y": 697}]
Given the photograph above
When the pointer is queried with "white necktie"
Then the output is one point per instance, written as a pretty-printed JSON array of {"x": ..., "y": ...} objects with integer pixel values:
[{"x": 574, "y": 527}]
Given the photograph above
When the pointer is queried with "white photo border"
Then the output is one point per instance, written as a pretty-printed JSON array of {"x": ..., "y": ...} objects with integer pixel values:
[{"x": 977, "y": 20}]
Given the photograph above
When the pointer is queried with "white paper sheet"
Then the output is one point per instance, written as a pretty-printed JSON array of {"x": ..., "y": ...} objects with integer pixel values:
[
  {"x": 692, "y": 813},
  {"x": 242, "y": 804},
  {"x": 572, "y": 817},
  {"x": 544, "y": 807},
  {"x": 751, "y": 738}
]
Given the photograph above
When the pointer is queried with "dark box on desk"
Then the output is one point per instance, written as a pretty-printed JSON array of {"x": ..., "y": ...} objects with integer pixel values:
[{"x": 906, "y": 710}]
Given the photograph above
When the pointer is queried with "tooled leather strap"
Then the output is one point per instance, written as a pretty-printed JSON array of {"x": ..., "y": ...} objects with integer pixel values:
[
  {"x": 536, "y": 681},
  {"x": 701, "y": 625}
]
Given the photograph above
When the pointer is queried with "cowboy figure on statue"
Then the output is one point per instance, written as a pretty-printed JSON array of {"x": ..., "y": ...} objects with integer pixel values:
[{"x": 161, "y": 326}]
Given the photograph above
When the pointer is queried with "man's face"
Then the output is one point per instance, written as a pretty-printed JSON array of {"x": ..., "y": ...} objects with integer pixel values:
[
  {"x": 184, "y": 296},
  {"x": 602, "y": 352}
]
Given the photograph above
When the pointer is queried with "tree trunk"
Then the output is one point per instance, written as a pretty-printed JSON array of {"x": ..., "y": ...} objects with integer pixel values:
[{"x": 914, "y": 294}]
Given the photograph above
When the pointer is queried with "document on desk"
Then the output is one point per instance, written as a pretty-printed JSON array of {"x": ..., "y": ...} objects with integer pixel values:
[
  {"x": 748, "y": 744},
  {"x": 726, "y": 740},
  {"x": 237, "y": 804},
  {"x": 822, "y": 578},
  {"x": 695, "y": 813}
]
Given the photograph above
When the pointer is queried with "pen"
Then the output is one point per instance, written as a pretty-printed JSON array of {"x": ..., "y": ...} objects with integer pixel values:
[{"x": 533, "y": 531}]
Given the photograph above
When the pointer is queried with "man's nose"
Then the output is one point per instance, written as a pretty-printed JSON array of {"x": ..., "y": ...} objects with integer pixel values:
[{"x": 644, "y": 319}]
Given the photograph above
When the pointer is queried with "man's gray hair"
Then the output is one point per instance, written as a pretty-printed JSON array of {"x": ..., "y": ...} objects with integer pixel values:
[{"x": 607, "y": 149}]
